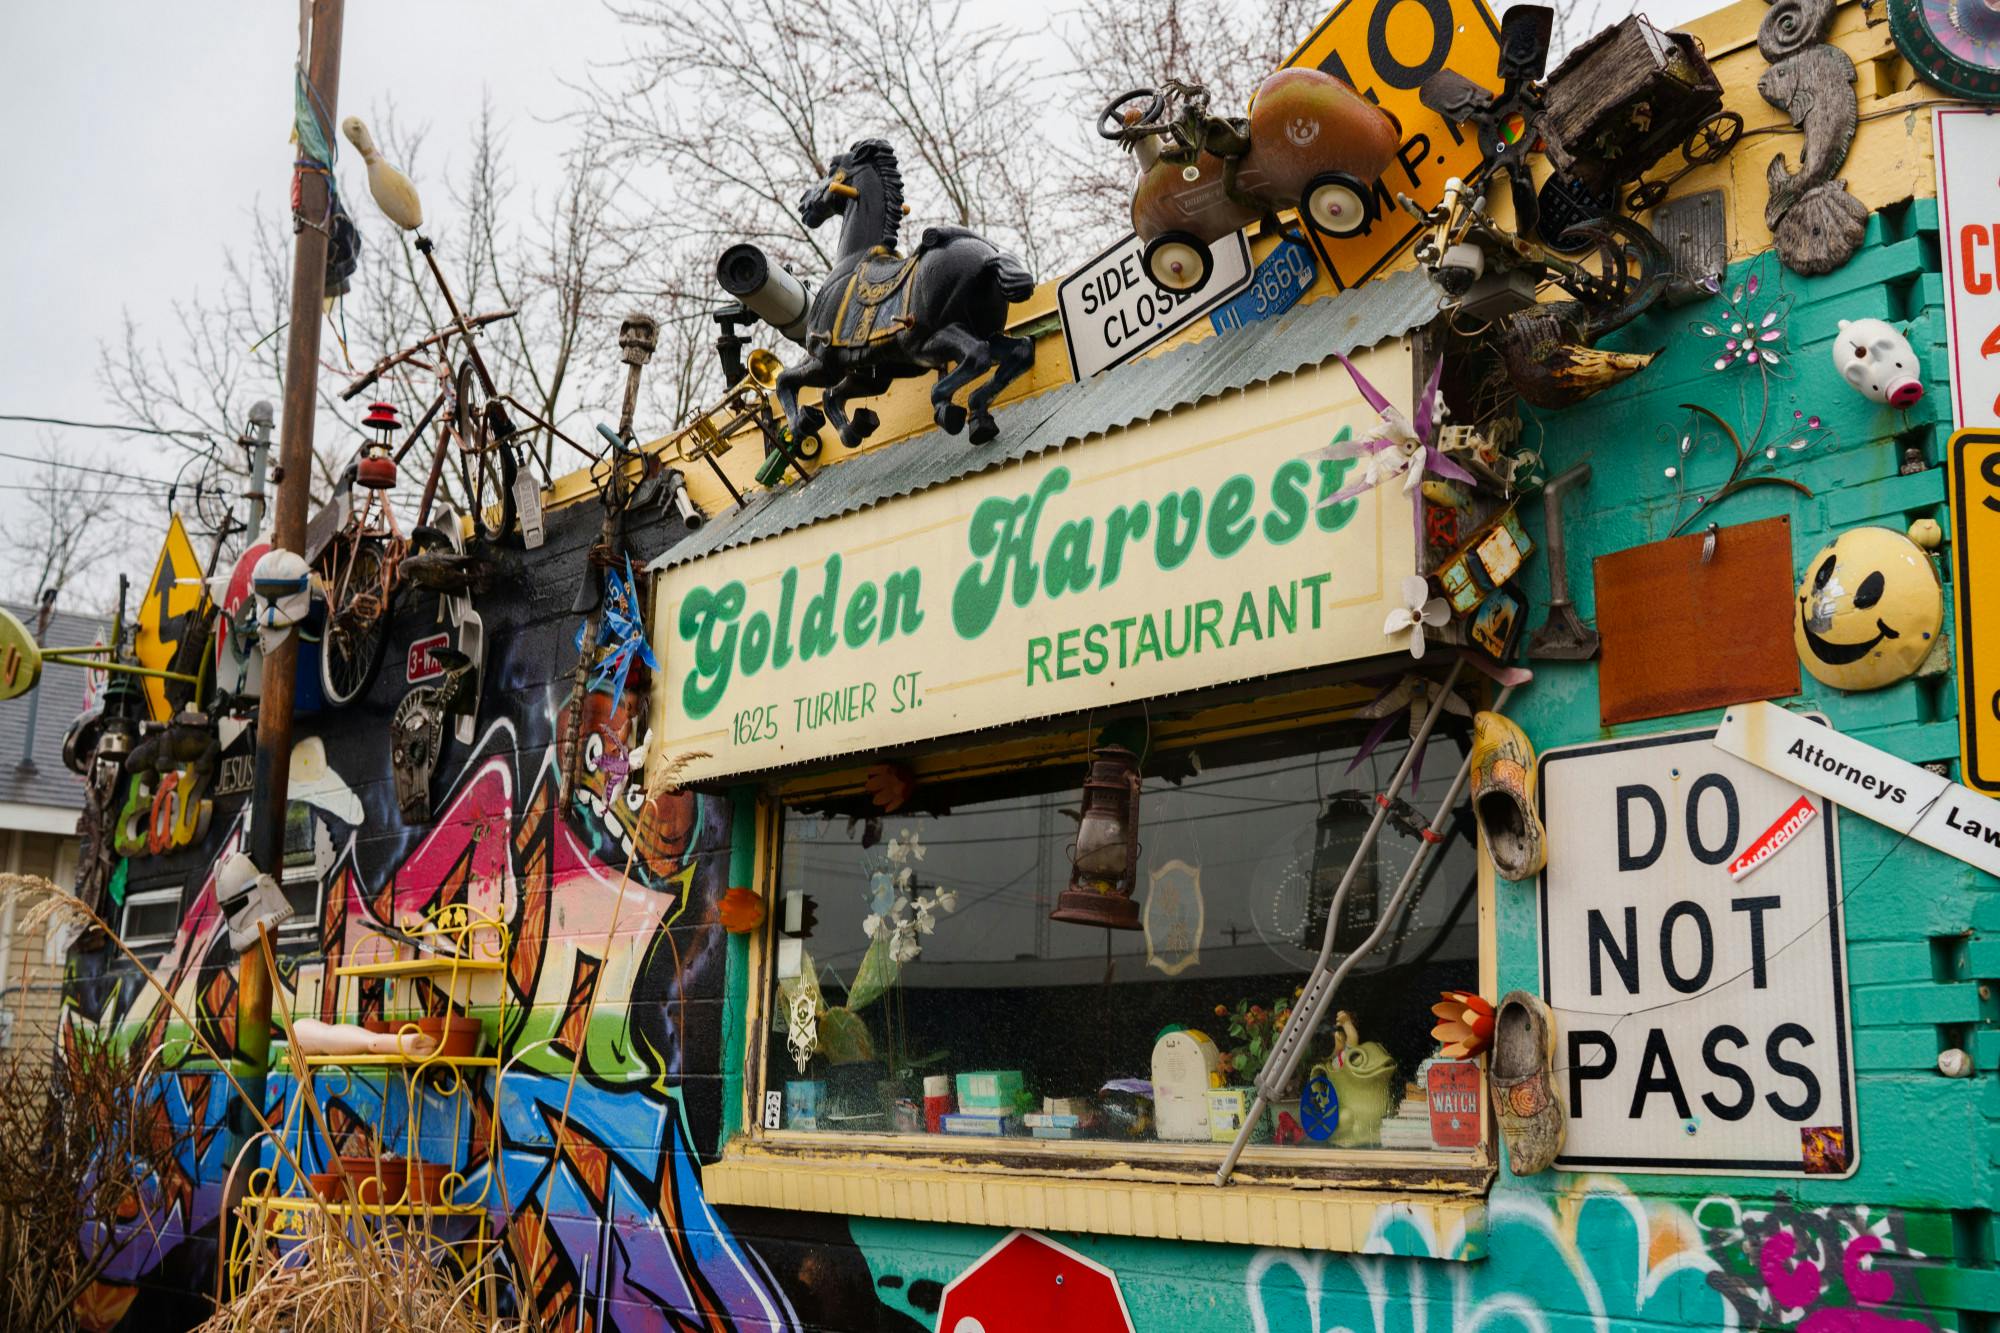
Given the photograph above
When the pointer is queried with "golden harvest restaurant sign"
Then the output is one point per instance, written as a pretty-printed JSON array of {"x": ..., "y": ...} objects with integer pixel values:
[{"x": 1190, "y": 552}]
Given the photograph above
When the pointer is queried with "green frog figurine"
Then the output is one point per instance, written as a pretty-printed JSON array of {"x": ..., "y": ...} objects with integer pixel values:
[{"x": 1364, "y": 1074}]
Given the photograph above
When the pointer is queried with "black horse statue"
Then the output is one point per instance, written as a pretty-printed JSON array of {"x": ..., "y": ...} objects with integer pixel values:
[{"x": 880, "y": 317}]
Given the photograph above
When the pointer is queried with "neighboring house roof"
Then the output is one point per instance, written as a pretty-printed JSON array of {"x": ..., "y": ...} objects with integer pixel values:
[
  {"x": 48, "y": 784},
  {"x": 1119, "y": 398}
]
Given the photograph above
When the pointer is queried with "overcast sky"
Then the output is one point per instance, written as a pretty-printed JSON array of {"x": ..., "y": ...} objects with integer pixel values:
[{"x": 141, "y": 136}]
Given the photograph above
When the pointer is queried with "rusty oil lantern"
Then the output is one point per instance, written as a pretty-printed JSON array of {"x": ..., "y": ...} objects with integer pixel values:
[
  {"x": 376, "y": 468},
  {"x": 1105, "y": 860}
]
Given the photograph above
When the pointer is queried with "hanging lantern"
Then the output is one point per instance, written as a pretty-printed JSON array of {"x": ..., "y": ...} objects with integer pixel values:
[
  {"x": 1341, "y": 830},
  {"x": 376, "y": 468},
  {"x": 1105, "y": 859}
]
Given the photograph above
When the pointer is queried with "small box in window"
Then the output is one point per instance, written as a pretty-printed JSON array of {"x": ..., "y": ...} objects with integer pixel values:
[
  {"x": 991, "y": 1090},
  {"x": 803, "y": 1100},
  {"x": 1227, "y": 1110},
  {"x": 987, "y": 1123}
]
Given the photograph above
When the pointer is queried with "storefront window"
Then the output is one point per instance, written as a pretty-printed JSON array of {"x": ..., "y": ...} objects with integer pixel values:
[{"x": 921, "y": 988}]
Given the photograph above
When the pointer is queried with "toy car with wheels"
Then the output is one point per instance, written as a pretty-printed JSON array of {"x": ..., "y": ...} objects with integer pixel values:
[{"x": 1310, "y": 142}]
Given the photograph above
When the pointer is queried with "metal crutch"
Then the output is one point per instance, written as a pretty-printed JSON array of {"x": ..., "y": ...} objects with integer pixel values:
[{"x": 1313, "y": 1004}]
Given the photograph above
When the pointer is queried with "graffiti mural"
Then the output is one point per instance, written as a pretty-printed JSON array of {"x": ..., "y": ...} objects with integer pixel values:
[
  {"x": 589, "y": 1161},
  {"x": 1819, "y": 1270}
]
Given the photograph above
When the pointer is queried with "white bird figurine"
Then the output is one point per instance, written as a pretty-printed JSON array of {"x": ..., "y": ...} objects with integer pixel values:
[{"x": 394, "y": 194}]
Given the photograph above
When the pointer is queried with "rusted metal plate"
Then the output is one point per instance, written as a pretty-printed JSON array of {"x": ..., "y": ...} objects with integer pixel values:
[{"x": 1681, "y": 635}]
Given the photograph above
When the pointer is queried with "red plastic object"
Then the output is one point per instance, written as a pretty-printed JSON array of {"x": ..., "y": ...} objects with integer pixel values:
[{"x": 375, "y": 471}]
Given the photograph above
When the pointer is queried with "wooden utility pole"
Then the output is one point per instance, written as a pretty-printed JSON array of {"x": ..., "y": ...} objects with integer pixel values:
[{"x": 270, "y": 793}]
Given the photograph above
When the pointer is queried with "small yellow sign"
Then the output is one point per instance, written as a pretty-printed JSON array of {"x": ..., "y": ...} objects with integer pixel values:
[
  {"x": 1975, "y": 522},
  {"x": 174, "y": 608},
  {"x": 1386, "y": 49},
  {"x": 20, "y": 659}
]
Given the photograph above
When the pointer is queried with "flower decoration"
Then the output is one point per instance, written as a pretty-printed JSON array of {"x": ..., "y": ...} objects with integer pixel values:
[
  {"x": 1403, "y": 447},
  {"x": 1806, "y": 432},
  {"x": 899, "y": 913},
  {"x": 1465, "y": 1024},
  {"x": 1750, "y": 328},
  {"x": 1255, "y": 1028},
  {"x": 1419, "y": 610}
]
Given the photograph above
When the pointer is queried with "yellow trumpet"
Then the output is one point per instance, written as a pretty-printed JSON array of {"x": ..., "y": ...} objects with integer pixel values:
[{"x": 703, "y": 436}]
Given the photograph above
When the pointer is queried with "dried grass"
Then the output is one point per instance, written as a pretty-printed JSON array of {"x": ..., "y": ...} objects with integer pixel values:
[
  {"x": 83, "y": 1154},
  {"x": 353, "y": 1277},
  {"x": 329, "y": 1273}
]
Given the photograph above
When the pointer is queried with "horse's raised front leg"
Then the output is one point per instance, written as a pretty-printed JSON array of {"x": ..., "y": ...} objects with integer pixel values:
[
  {"x": 806, "y": 374},
  {"x": 966, "y": 352},
  {"x": 1011, "y": 359},
  {"x": 858, "y": 425}
]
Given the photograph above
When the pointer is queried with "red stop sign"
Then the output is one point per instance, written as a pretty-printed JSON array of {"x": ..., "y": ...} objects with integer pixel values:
[{"x": 1029, "y": 1284}]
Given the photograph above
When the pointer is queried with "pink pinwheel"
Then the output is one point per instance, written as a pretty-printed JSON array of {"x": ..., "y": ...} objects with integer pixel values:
[{"x": 1402, "y": 447}]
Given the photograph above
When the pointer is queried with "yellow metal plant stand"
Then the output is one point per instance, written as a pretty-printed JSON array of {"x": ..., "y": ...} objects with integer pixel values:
[{"x": 453, "y": 950}]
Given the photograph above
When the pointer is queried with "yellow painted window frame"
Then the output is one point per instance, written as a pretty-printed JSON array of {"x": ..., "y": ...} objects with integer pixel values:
[{"x": 1336, "y": 1200}]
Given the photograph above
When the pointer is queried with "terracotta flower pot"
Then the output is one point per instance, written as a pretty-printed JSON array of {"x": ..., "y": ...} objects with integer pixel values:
[
  {"x": 426, "y": 1182},
  {"x": 376, "y": 1180},
  {"x": 329, "y": 1185},
  {"x": 457, "y": 1036}
]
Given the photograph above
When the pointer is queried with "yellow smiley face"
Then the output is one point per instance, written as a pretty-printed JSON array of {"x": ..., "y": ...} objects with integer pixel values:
[{"x": 1869, "y": 610}]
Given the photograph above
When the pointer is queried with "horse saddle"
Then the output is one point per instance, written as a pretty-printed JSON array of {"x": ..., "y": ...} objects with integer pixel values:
[{"x": 876, "y": 303}]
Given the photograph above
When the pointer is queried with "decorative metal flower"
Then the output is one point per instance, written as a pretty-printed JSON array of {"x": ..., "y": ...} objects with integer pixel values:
[
  {"x": 1465, "y": 1024},
  {"x": 1419, "y": 609},
  {"x": 1805, "y": 433},
  {"x": 1750, "y": 329},
  {"x": 1747, "y": 330},
  {"x": 1403, "y": 447}
]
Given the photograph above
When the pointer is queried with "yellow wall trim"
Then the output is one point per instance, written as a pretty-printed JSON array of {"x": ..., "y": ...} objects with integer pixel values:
[{"x": 1329, "y": 1220}]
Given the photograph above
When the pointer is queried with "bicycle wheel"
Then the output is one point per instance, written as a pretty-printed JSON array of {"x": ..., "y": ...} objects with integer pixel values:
[
  {"x": 357, "y": 623},
  {"x": 487, "y": 463}
]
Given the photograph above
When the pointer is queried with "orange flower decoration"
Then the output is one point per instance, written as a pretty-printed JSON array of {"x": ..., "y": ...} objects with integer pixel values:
[
  {"x": 1465, "y": 1024},
  {"x": 742, "y": 911}
]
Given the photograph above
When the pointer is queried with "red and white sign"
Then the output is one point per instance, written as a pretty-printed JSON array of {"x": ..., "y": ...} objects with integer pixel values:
[
  {"x": 422, "y": 665},
  {"x": 1029, "y": 1284},
  {"x": 1452, "y": 1087},
  {"x": 1773, "y": 839},
  {"x": 1968, "y": 144}
]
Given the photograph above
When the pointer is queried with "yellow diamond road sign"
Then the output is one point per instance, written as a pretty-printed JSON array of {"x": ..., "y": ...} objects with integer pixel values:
[
  {"x": 1975, "y": 524},
  {"x": 1386, "y": 49}
]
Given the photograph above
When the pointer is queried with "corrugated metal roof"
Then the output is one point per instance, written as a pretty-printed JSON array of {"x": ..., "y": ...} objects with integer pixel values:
[
  {"x": 44, "y": 780},
  {"x": 1309, "y": 335}
]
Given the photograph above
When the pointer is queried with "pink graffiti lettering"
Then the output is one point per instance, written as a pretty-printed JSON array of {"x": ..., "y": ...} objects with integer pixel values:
[{"x": 1791, "y": 1288}]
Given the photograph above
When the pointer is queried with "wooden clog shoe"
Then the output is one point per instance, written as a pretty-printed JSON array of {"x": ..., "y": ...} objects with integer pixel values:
[
  {"x": 1503, "y": 796},
  {"x": 1524, "y": 1092}
]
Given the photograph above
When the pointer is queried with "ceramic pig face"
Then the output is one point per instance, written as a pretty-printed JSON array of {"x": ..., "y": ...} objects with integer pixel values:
[{"x": 1871, "y": 356}]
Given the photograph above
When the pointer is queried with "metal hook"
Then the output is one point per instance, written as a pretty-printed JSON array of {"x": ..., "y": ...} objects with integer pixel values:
[{"x": 1708, "y": 543}]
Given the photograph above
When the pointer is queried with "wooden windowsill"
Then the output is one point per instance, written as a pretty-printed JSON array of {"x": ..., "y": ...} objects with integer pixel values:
[{"x": 1340, "y": 1204}]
